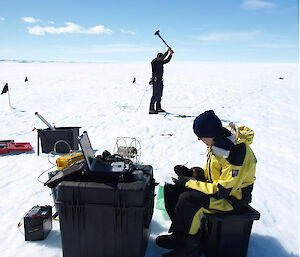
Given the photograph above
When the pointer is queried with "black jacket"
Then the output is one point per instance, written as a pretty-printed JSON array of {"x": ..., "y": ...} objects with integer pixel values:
[{"x": 157, "y": 65}]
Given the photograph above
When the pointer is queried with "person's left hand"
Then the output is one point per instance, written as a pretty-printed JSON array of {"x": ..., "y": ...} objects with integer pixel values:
[
  {"x": 180, "y": 181},
  {"x": 182, "y": 170},
  {"x": 171, "y": 51}
]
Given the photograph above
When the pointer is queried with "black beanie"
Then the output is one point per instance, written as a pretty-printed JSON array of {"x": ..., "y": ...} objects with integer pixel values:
[{"x": 207, "y": 124}]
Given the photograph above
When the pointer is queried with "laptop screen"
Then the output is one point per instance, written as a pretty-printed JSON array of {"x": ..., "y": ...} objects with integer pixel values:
[{"x": 86, "y": 148}]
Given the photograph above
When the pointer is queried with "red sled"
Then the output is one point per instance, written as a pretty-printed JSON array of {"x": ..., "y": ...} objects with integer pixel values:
[{"x": 6, "y": 148}]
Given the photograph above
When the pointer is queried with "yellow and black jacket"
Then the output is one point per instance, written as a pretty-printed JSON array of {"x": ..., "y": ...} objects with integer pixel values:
[{"x": 229, "y": 174}]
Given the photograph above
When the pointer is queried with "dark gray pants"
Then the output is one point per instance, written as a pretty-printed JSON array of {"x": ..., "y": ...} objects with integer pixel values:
[
  {"x": 181, "y": 205},
  {"x": 157, "y": 94}
]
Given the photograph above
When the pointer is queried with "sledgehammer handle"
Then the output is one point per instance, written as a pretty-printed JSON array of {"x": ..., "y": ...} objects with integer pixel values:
[
  {"x": 157, "y": 34},
  {"x": 46, "y": 122},
  {"x": 163, "y": 41}
]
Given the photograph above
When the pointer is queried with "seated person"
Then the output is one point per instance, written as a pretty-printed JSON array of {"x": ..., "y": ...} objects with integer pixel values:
[{"x": 224, "y": 185}]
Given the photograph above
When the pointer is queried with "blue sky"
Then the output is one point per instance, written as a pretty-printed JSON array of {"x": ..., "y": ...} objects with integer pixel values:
[{"x": 116, "y": 30}]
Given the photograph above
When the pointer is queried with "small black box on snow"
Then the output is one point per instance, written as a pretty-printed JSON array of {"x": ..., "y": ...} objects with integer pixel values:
[{"x": 38, "y": 223}]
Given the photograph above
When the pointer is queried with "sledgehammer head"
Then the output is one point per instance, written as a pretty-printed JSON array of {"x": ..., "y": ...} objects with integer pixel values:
[{"x": 156, "y": 33}]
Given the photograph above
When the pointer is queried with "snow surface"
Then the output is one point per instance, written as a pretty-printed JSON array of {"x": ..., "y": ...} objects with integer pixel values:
[{"x": 101, "y": 99}]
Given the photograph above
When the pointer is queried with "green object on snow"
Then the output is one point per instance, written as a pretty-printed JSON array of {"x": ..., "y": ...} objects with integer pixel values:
[{"x": 160, "y": 202}]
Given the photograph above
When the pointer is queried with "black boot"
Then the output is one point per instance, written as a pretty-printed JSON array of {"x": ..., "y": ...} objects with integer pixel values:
[
  {"x": 191, "y": 248},
  {"x": 153, "y": 112},
  {"x": 171, "y": 241},
  {"x": 158, "y": 108}
]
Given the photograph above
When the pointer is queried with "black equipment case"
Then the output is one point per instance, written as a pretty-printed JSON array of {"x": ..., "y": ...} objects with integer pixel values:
[
  {"x": 62, "y": 139},
  {"x": 228, "y": 234},
  {"x": 106, "y": 219}
]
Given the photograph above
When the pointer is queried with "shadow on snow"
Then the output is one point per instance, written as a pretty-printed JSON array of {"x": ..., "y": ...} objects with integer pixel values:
[{"x": 259, "y": 245}]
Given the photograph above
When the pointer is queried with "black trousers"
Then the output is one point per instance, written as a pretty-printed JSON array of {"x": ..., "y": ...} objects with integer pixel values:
[
  {"x": 181, "y": 205},
  {"x": 157, "y": 94}
]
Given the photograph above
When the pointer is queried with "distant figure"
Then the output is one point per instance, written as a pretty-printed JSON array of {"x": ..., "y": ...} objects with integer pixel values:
[
  {"x": 133, "y": 80},
  {"x": 280, "y": 78},
  {"x": 157, "y": 80},
  {"x": 26, "y": 79}
]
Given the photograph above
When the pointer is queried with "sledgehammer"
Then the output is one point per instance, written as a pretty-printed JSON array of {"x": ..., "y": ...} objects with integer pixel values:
[{"x": 157, "y": 34}]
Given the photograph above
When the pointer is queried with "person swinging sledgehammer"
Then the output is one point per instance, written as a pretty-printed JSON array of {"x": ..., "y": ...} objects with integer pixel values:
[{"x": 157, "y": 80}]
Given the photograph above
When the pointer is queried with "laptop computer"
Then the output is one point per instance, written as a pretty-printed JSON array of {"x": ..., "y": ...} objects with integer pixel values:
[{"x": 94, "y": 164}]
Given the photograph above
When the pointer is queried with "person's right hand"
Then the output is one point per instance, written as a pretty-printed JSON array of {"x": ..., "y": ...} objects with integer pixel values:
[
  {"x": 182, "y": 170},
  {"x": 180, "y": 181}
]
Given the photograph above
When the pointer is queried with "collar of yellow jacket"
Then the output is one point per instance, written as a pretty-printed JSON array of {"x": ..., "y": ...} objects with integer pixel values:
[
  {"x": 245, "y": 135},
  {"x": 239, "y": 135},
  {"x": 242, "y": 134}
]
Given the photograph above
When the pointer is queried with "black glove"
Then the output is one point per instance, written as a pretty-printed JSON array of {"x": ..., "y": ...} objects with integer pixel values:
[
  {"x": 181, "y": 170},
  {"x": 180, "y": 182},
  {"x": 198, "y": 173}
]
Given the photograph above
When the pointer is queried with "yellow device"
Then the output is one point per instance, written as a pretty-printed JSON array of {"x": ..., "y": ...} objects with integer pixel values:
[{"x": 66, "y": 160}]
